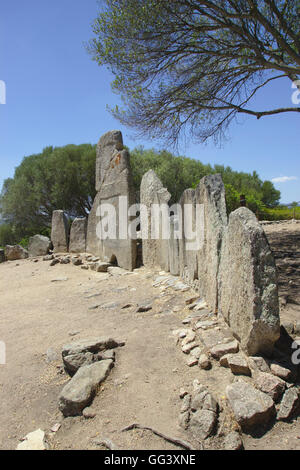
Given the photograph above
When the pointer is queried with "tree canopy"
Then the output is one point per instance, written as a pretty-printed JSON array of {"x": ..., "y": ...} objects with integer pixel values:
[{"x": 194, "y": 65}]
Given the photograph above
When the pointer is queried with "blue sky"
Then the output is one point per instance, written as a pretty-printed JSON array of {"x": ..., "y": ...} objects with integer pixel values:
[{"x": 57, "y": 95}]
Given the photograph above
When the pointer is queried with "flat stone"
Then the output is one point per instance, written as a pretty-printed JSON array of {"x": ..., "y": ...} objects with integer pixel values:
[
  {"x": 271, "y": 385},
  {"x": 289, "y": 406},
  {"x": 80, "y": 391},
  {"x": 258, "y": 364},
  {"x": 203, "y": 424},
  {"x": 184, "y": 420},
  {"x": 76, "y": 261},
  {"x": 116, "y": 271},
  {"x": 100, "y": 267},
  {"x": 187, "y": 348},
  {"x": 189, "y": 338},
  {"x": 33, "y": 441},
  {"x": 221, "y": 349},
  {"x": 192, "y": 361},
  {"x": 251, "y": 407},
  {"x": 205, "y": 324},
  {"x": 237, "y": 363},
  {"x": 89, "y": 413},
  {"x": 59, "y": 279},
  {"x": 93, "y": 345}
]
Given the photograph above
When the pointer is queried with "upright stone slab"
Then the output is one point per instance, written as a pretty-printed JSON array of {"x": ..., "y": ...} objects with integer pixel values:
[
  {"x": 38, "y": 245},
  {"x": 211, "y": 193},
  {"x": 113, "y": 180},
  {"x": 78, "y": 235},
  {"x": 150, "y": 186},
  {"x": 187, "y": 253},
  {"x": 174, "y": 247},
  {"x": 60, "y": 232},
  {"x": 248, "y": 290},
  {"x": 162, "y": 198}
]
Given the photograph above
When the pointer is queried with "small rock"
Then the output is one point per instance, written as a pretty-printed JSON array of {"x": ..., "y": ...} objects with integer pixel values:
[
  {"x": 237, "y": 363},
  {"x": 251, "y": 407},
  {"x": 281, "y": 371},
  {"x": 186, "y": 403},
  {"x": 54, "y": 262},
  {"x": 204, "y": 400},
  {"x": 233, "y": 441},
  {"x": 76, "y": 261},
  {"x": 204, "y": 362},
  {"x": 184, "y": 419},
  {"x": 271, "y": 385},
  {"x": 48, "y": 258},
  {"x": 56, "y": 427},
  {"x": 192, "y": 361},
  {"x": 89, "y": 413},
  {"x": 196, "y": 352},
  {"x": 203, "y": 424},
  {"x": 59, "y": 279},
  {"x": 182, "y": 393},
  {"x": 289, "y": 405},
  {"x": 189, "y": 338},
  {"x": 258, "y": 363},
  {"x": 33, "y": 441},
  {"x": 74, "y": 361},
  {"x": 186, "y": 349},
  {"x": 221, "y": 349}
]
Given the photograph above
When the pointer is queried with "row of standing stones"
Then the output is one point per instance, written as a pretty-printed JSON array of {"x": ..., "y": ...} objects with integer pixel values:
[{"x": 233, "y": 270}]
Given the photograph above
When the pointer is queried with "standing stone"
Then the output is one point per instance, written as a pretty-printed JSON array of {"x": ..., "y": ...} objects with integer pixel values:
[
  {"x": 150, "y": 186},
  {"x": 38, "y": 246},
  {"x": 248, "y": 290},
  {"x": 78, "y": 235},
  {"x": 113, "y": 181},
  {"x": 60, "y": 232},
  {"x": 2, "y": 256},
  {"x": 187, "y": 256},
  {"x": 15, "y": 252},
  {"x": 211, "y": 193},
  {"x": 162, "y": 198},
  {"x": 174, "y": 247}
]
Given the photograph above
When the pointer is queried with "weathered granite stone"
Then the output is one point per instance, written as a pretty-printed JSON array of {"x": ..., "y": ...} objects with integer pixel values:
[
  {"x": 268, "y": 383},
  {"x": 80, "y": 391},
  {"x": 174, "y": 247},
  {"x": 203, "y": 423},
  {"x": 74, "y": 361},
  {"x": 93, "y": 345},
  {"x": 248, "y": 293},
  {"x": 289, "y": 406},
  {"x": 150, "y": 186},
  {"x": 233, "y": 441},
  {"x": 211, "y": 193},
  {"x": 38, "y": 246},
  {"x": 237, "y": 364},
  {"x": 204, "y": 400},
  {"x": 33, "y": 441},
  {"x": 115, "y": 188},
  {"x": 226, "y": 348},
  {"x": 187, "y": 252},
  {"x": 283, "y": 372},
  {"x": 250, "y": 406},
  {"x": 60, "y": 232},
  {"x": 2, "y": 256},
  {"x": 15, "y": 252},
  {"x": 78, "y": 235}
]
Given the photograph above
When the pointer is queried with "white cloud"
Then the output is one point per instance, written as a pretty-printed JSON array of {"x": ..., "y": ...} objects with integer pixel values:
[{"x": 284, "y": 179}]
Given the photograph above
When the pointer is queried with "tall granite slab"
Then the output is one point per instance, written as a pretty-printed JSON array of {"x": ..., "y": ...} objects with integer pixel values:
[
  {"x": 173, "y": 248},
  {"x": 113, "y": 181},
  {"x": 187, "y": 254},
  {"x": 211, "y": 194},
  {"x": 150, "y": 186},
  {"x": 248, "y": 293},
  {"x": 78, "y": 235},
  {"x": 60, "y": 232}
]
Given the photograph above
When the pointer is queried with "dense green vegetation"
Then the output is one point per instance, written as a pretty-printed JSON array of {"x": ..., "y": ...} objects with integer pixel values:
[{"x": 64, "y": 178}]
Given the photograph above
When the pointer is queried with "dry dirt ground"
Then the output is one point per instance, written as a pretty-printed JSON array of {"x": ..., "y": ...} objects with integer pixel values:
[{"x": 39, "y": 316}]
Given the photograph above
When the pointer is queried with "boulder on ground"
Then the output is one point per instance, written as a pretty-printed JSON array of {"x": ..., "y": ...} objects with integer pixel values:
[
  {"x": 81, "y": 389},
  {"x": 2, "y": 256},
  {"x": 15, "y": 252},
  {"x": 39, "y": 245},
  {"x": 251, "y": 407}
]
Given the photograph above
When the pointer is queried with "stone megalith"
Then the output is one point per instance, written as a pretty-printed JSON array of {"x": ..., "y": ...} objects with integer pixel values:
[
  {"x": 115, "y": 191},
  {"x": 187, "y": 253},
  {"x": 248, "y": 293},
  {"x": 60, "y": 232},
  {"x": 153, "y": 195},
  {"x": 39, "y": 245},
  {"x": 78, "y": 235},
  {"x": 174, "y": 246},
  {"x": 211, "y": 194}
]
